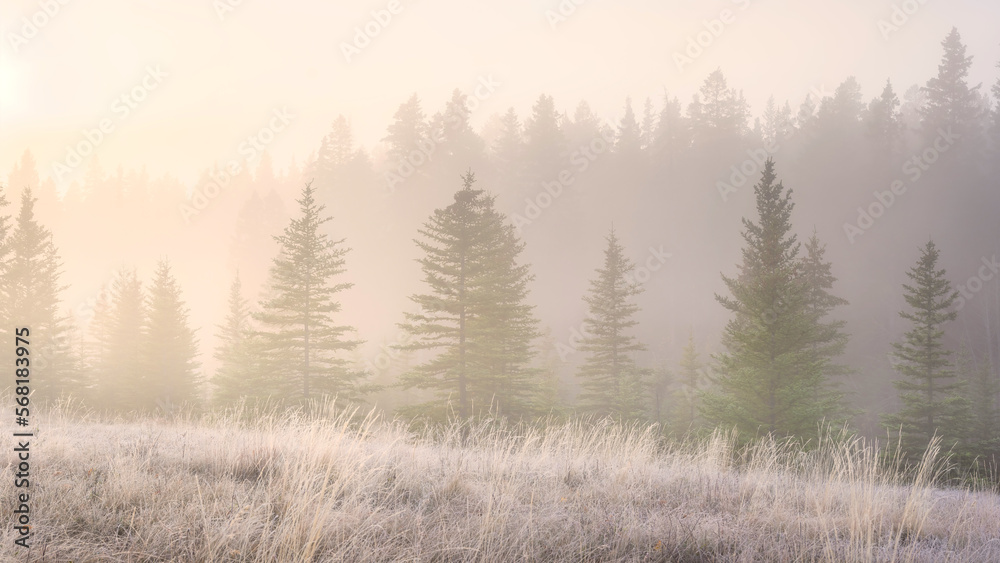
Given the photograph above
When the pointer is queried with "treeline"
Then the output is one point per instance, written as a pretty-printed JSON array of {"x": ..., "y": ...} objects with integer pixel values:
[{"x": 473, "y": 342}]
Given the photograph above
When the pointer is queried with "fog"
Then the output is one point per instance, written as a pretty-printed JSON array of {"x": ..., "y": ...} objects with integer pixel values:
[{"x": 165, "y": 99}]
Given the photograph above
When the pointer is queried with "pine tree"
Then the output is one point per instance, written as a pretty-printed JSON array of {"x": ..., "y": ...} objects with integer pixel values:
[
  {"x": 118, "y": 328},
  {"x": 298, "y": 336},
  {"x": 671, "y": 140},
  {"x": 842, "y": 112},
  {"x": 475, "y": 315},
  {"x": 770, "y": 370},
  {"x": 805, "y": 119},
  {"x": 777, "y": 124},
  {"x": 983, "y": 436},
  {"x": 170, "y": 349},
  {"x": 239, "y": 375},
  {"x": 459, "y": 146},
  {"x": 584, "y": 127},
  {"x": 719, "y": 114},
  {"x": 337, "y": 163},
  {"x": 508, "y": 328},
  {"x": 829, "y": 339},
  {"x": 628, "y": 140},
  {"x": 31, "y": 275},
  {"x": 508, "y": 154},
  {"x": 545, "y": 142},
  {"x": 951, "y": 103},
  {"x": 930, "y": 391},
  {"x": 407, "y": 130},
  {"x": 884, "y": 123},
  {"x": 613, "y": 385}
]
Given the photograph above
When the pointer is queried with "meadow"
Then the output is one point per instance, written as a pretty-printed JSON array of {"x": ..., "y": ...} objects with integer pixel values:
[{"x": 356, "y": 488}]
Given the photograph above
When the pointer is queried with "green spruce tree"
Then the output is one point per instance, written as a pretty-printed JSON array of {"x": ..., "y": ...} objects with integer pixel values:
[
  {"x": 475, "y": 317},
  {"x": 613, "y": 385},
  {"x": 982, "y": 437},
  {"x": 170, "y": 349},
  {"x": 829, "y": 339},
  {"x": 930, "y": 391},
  {"x": 31, "y": 275},
  {"x": 769, "y": 372},
  {"x": 302, "y": 344},
  {"x": 951, "y": 103},
  {"x": 117, "y": 330},
  {"x": 240, "y": 371}
]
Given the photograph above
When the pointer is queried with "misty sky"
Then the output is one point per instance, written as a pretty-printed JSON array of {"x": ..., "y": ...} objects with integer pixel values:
[{"x": 225, "y": 76}]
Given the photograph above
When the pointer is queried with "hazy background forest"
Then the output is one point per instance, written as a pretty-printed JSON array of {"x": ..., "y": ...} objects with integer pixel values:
[{"x": 185, "y": 140}]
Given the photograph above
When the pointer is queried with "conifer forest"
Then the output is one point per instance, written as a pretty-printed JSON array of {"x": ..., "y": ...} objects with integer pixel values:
[{"x": 526, "y": 281}]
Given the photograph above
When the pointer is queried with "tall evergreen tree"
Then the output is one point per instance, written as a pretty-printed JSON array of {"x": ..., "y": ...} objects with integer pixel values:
[
  {"x": 475, "y": 316},
  {"x": 240, "y": 372},
  {"x": 459, "y": 146},
  {"x": 338, "y": 163},
  {"x": 170, "y": 349},
  {"x": 769, "y": 372},
  {"x": 672, "y": 138},
  {"x": 613, "y": 385},
  {"x": 884, "y": 124},
  {"x": 407, "y": 130},
  {"x": 930, "y": 391},
  {"x": 983, "y": 436},
  {"x": 117, "y": 329},
  {"x": 777, "y": 125},
  {"x": 31, "y": 275},
  {"x": 951, "y": 103},
  {"x": 545, "y": 142},
  {"x": 299, "y": 338},
  {"x": 842, "y": 112},
  {"x": 508, "y": 154},
  {"x": 805, "y": 119},
  {"x": 719, "y": 114},
  {"x": 507, "y": 328},
  {"x": 829, "y": 339},
  {"x": 628, "y": 140}
]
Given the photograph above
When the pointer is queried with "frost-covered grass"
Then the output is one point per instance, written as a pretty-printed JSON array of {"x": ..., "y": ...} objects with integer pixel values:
[{"x": 217, "y": 488}]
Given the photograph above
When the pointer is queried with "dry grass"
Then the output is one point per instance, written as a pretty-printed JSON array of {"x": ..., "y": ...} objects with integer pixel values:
[{"x": 218, "y": 489}]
